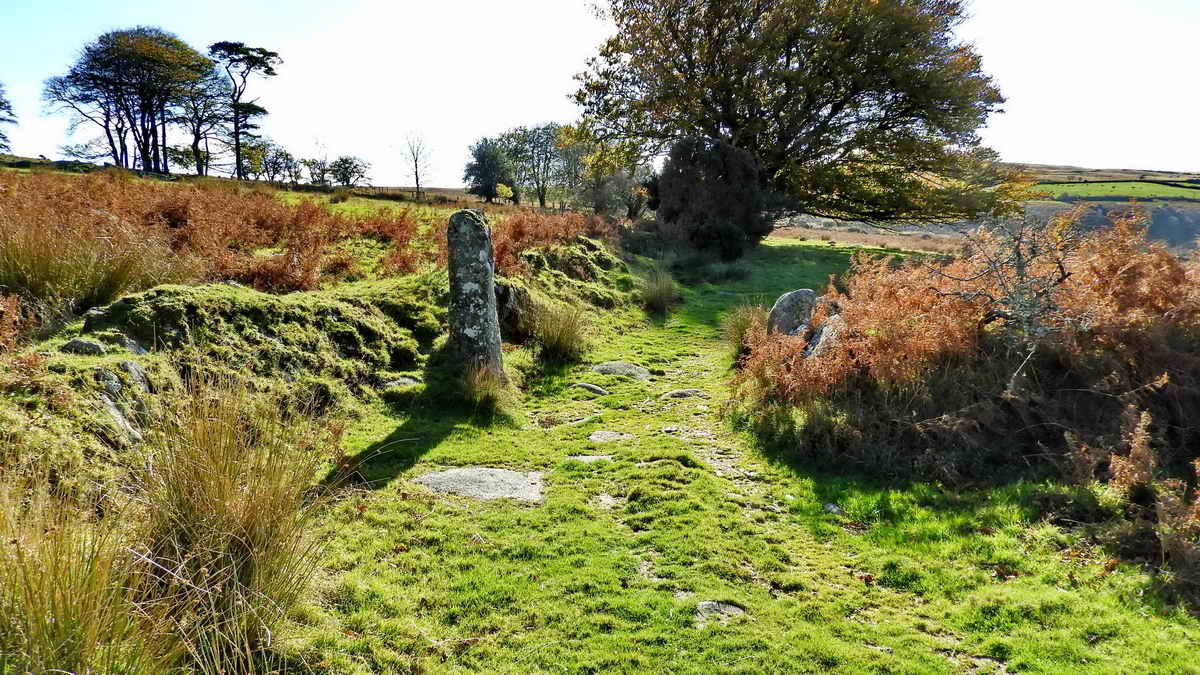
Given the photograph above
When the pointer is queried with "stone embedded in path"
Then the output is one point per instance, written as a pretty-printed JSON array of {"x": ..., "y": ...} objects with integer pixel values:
[
  {"x": 599, "y": 391},
  {"x": 400, "y": 382},
  {"x": 685, "y": 393},
  {"x": 486, "y": 483},
  {"x": 607, "y": 501},
  {"x": 622, "y": 369},
  {"x": 603, "y": 436},
  {"x": 590, "y": 459},
  {"x": 792, "y": 312},
  {"x": 710, "y": 610}
]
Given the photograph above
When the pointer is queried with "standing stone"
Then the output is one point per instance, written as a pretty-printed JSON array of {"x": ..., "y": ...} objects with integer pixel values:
[
  {"x": 792, "y": 312},
  {"x": 474, "y": 327}
]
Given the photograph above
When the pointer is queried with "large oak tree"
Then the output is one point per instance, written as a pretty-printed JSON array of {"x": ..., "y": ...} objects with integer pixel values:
[{"x": 853, "y": 109}]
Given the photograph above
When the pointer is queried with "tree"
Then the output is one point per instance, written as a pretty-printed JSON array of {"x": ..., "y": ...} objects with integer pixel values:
[
  {"x": 318, "y": 170},
  {"x": 416, "y": 152},
  {"x": 127, "y": 83},
  {"x": 277, "y": 162},
  {"x": 203, "y": 109},
  {"x": 241, "y": 63},
  {"x": 7, "y": 116},
  {"x": 489, "y": 167},
  {"x": 535, "y": 157},
  {"x": 348, "y": 170},
  {"x": 710, "y": 193},
  {"x": 856, "y": 110}
]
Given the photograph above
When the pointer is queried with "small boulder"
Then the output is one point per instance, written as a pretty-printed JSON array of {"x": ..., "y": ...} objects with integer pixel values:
[
  {"x": 622, "y": 369},
  {"x": 109, "y": 381},
  {"x": 792, "y": 311},
  {"x": 599, "y": 391},
  {"x": 129, "y": 434},
  {"x": 133, "y": 346},
  {"x": 603, "y": 436},
  {"x": 486, "y": 483},
  {"x": 83, "y": 347},
  {"x": 685, "y": 393},
  {"x": 825, "y": 336},
  {"x": 137, "y": 374}
]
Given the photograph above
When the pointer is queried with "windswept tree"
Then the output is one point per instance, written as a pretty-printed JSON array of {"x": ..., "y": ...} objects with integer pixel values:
[
  {"x": 127, "y": 83},
  {"x": 417, "y": 155},
  {"x": 349, "y": 170},
  {"x": 856, "y": 110},
  {"x": 241, "y": 63},
  {"x": 203, "y": 108},
  {"x": 7, "y": 116},
  {"x": 488, "y": 168},
  {"x": 534, "y": 154}
]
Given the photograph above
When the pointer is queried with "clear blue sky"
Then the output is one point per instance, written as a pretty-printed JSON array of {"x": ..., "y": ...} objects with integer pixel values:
[{"x": 1098, "y": 83}]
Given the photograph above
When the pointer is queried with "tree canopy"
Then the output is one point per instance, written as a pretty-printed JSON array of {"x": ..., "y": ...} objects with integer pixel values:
[
  {"x": 489, "y": 167},
  {"x": 855, "y": 110}
]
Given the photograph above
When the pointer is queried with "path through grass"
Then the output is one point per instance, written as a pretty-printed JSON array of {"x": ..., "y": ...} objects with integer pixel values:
[{"x": 606, "y": 575}]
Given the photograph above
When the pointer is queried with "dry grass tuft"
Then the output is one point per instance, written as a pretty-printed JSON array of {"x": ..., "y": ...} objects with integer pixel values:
[
  {"x": 560, "y": 331},
  {"x": 659, "y": 291}
]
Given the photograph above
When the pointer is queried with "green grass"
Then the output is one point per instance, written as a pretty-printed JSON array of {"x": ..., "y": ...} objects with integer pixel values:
[
  {"x": 911, "y": 578},
  {"x": 1137, "y": 190}
]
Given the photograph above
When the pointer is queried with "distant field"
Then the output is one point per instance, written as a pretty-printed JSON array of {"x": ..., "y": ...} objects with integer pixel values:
[
  {"x": 1131, "y": 190},
  {"x": 1052, "y": 173}
]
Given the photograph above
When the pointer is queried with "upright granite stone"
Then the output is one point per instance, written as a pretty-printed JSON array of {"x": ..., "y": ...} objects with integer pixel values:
[{"x": 474, "y": 327}]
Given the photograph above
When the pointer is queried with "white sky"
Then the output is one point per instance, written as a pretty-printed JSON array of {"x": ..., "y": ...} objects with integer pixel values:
[{"x": 1097, "y": 83}]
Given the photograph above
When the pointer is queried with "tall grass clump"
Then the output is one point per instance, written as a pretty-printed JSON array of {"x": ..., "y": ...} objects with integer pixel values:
[
  {"x": 66, "y": 581},
  {"x": 560, "y": 331},
  {"x": 485, "y": 390},
  {"x": 659, "y": 291},
  {"x": 228, "y": 491},
  {"x": 739, "y": 324}
]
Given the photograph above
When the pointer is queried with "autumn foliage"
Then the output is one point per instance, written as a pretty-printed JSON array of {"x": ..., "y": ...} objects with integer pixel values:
[{"x": 926, "y": 360}]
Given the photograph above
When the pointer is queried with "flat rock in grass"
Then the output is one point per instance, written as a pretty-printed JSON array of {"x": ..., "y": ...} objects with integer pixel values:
[
  {"x": 622, "y": 369},
  {"x": 84, "y": 347},
  {"x": 400, "y": 383},
  {"x": 599, "y": 391},
  {"x": 590, "y": 459},
  {"x": 486, "y": 483},
  {"x": 685, "y": 393},
  {"x": 604, "y": 436},
  {"x": 710, "y": 610}
]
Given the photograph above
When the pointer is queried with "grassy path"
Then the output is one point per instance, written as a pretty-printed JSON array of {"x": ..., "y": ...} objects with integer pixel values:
[{"x": 607, "y": 574}]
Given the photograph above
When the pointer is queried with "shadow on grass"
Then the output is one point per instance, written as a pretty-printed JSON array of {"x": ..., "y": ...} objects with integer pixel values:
[{"x": 432, "y": 412}]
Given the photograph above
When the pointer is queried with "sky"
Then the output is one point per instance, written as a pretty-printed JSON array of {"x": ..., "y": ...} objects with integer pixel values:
[{"x": 1093, "y": 83}]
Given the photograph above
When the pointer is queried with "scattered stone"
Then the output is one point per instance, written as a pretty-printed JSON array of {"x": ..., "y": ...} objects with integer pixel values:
[
  {"x": 792, "y": 312},
  {"x": 129, "y": 433},
  {"x": 84, "y": 347},
  {"x": 137, "y": 374},
  {"x": 685, "y": 393},
  {"x": 607, "y": 501},
  {"x": 400, "y": 382},
  {"x": 590, "y": 459},
  {"x": 603, "y": 436},
  {"x": 486, "y": 483},
  {"x": 109, "y": 381},
  {"x": 512, "y": 309},
  {"x": 133, "y": 346},
  {"x": 825, "y": 336},
  {"x": 622, "y": 369},
  {"x": 586, "y": 420},
  {"x": 721, "y": 612},
  {"x": 658, "y": 372},
  {"x": 474, "y": 326},
  {"x": 834, "y": 510},
  {"x": 599, "y": 391},
  {"x": 670, "y": 430}
]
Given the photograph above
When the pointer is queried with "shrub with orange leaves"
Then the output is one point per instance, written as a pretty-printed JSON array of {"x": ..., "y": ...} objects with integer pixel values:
[
  {"x": 924, "y": 373},
  {"x": 527, "y": 229}
]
